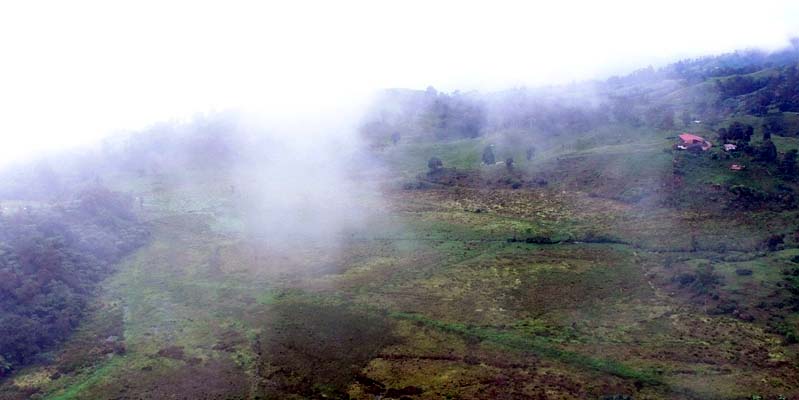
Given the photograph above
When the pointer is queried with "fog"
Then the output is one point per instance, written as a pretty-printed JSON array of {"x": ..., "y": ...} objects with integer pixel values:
[
  {"x": 73, "y": 73},
  {"x": 370, "y": 199},
  {"x": 286, "y": 87},
  {"x": 304, "y": 182}
]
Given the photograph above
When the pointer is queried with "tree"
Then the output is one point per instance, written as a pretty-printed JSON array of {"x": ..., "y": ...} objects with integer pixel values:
[
  {"x": 509, "y": 163},
  {"x": 456, "y": 115},
  {"x": 788, "y": 164},
  {"x": 435, "y": 164},
  {"x": 774, "y": 124},
  {"x": 723, "y": 134},
  {"x": 395, "y": 137},
  {"x": 530, "y": 153},
  {"x": 767, "y": 152},
  {"x": 488, "y": 155},
  {"x": 737, "y": 132},
  {"x": 661, "y": 117}
]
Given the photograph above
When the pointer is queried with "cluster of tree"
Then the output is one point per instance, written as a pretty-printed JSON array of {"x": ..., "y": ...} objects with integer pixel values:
[
  {"x": 403, "y": 112},
  {"x": 741, "y": 134},
  {"x": 735, "y": 63},
  {"x": 639, "y": 99},
  {"x": 737, "y": 85},
  {"x": 783, "y": 89},
  {"x": 50, "y": 260},
  {"x": 737, "y": 133},
  {"x": 787, "y": 166},
  {"x": 778, "y": 91},
  {"x": 544, "y": 112},
  {"x": 750, "y": 198},
  {"x": 454, "y": 116}
]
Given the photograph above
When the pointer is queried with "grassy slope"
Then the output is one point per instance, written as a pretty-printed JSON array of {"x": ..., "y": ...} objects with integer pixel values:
[
  {"x": 471, "y": 313},
  {"x": 453, "y": 309}
]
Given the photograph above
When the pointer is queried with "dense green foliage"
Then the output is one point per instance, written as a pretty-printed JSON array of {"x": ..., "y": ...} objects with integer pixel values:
[{"x": 50, "y": 260}]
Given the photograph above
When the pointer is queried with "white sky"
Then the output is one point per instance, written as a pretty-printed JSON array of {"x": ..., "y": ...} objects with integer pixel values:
[{"x": 73, "y": 71}]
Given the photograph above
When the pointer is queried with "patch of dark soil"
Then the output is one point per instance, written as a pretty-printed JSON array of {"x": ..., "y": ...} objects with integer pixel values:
[
  {"x": 370, "y": 385},
  {"x": 405, "y": 391},
  {"x": 450, "y": 177},
  {"x": 229, "y": 341},
  {"x": 215, "y": 379},
  {"x": 501, "y": 178},
  {"x": 597, "y": 237},
  {"x": 379, "y": 390},
  {"x": 316, "y": 350},
  {"x": 552, "y": 290},
  {"x": 173, "y": 352},
  {"x": 534, "y": 240}
]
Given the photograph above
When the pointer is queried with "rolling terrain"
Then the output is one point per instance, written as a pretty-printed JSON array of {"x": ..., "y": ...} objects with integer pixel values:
[{"x": 608, "y": 265}]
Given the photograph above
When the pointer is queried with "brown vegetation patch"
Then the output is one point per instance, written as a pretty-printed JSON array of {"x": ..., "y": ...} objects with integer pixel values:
[
  {"x": 214, "y": 379},
  {"x": 314, "y": 350}
]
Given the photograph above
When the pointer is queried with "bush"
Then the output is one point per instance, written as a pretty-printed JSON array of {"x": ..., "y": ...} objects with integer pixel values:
[
  {"x": 767, "y": 152},
  {"x": 706, "y": 279},
  {"x": 685, "y": 279},
  {"x": 435, "y": 164},
  {"x": 775, "y": 242}
]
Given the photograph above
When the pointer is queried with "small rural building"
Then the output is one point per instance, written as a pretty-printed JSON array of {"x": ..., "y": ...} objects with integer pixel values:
[
  {"x": 737, "y": 167},
  {"x": 729, "y": 147},
  {"x": 690, "y": 140}
]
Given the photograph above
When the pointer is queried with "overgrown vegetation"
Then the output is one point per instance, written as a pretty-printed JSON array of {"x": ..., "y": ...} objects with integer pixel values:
[
  {"x": 51, "y": 258},
  {"x": 536, "y": 345}
]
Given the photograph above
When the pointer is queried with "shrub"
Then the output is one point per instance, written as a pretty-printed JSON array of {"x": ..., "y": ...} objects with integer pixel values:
[
  {"x": 435, "y": 164},
  {"x": 775, "y": 242},
  {"x": 767, "y": 152},
  {"x": 685, "y": 279},
  {"x": 788, "y": 164}
]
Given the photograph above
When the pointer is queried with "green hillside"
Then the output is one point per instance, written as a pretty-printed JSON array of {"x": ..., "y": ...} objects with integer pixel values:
[{"x": 603, "y": 262}]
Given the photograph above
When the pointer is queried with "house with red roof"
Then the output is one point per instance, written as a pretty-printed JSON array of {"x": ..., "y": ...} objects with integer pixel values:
[{"x": 690, "y": 141}]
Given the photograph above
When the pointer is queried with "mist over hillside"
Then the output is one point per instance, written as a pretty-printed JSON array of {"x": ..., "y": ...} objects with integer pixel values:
[{"x": 619, "y": 238}]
